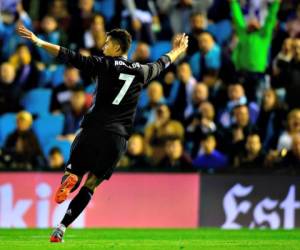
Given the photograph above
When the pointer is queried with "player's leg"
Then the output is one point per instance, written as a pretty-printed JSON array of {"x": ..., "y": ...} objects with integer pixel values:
[
  {"x": 69, "y": 183},
  {"x": 77, "y": 205}
]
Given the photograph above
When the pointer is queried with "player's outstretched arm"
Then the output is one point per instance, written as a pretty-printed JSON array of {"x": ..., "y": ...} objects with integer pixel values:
[
  {"x": 180, "y": 44},
  {"x": 27, "y": 34}
]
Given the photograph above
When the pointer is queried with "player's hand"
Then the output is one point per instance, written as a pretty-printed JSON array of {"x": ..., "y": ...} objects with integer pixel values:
[
  {"x": 27, "y": 34},
  {"x": 180, "y": 42}
]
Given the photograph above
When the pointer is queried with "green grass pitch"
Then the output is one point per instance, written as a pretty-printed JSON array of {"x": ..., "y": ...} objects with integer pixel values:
[{"x": 148, "y": 239}]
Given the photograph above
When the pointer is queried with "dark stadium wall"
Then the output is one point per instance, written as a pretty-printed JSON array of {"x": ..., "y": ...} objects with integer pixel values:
[{"x": 235, "y": 202}]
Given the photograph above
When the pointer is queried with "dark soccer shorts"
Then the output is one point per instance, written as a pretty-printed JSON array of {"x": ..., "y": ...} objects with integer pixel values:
[{"x": 97, "y": 152}]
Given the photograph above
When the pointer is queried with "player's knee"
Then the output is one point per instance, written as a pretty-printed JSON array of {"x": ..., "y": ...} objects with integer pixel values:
[{"x": 92, "y": 182}]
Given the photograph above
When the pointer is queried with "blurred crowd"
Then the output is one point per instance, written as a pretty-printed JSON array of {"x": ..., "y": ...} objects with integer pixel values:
[{"x": 230, "y": 104}]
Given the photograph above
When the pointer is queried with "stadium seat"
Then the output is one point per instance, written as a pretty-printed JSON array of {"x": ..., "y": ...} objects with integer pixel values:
[
  {"x": 106, "y": 8},
  {"x": 48, "y": 127},
  {"x": 7, "y": 126},
  {"x": 37, "y": 101},
  {"x": 160, "y": 48},
  {"x": 63, "y": 145}
]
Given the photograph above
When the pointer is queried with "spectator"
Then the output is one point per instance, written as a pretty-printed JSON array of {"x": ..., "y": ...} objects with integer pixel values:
[
  {"x": 234, "y": 137},
  {"x": 200, "y": 124},
  {"x": 23, "y": 145},
  {"x": 81, "y": 19},
  {"x": 293, "y": 128},
  {"x": 199, "y": 95},
  {"x": 157, "y": 131},
  {"x": 74, "y": 113},
  {"x": 250, "y": 56},
  {"x": 58, "y": 9},
  {"x": 51, "y": 34},
  {"x": 216, "y": 89},
  {"x": 290, "y": 75},
  {"x": 62, "y": 93},
  {"x": 292, "y": 159},
  {"x": 141, "y": 18},
  {"x": 96, "y": 33},
  {"x": 8, "y": 20},
  {"x": 27, "y": 73},
  {"x": 293, "y": 24},
  {"x": 141, "y": 53},
  {"x": 175, "y": 158},
  {"x": 236, "y": 96},
  {"x": 210, "y": 57},
  {"x": 135, "y": 157},
  {"x": 284, "y": 56},
  {"x": 180, "y": 12},
  {"x": 9, "y": 92},
  {"x": 181, "y": 94},
  {"x": 209, "y": 159},
  {"x": 270, "y": 120},
  {"x": 252, "y": 157},
  {"x": 56, "y": 160},
  {"x": 154, "y": 98},
  {"x": 199, "y": 23}
]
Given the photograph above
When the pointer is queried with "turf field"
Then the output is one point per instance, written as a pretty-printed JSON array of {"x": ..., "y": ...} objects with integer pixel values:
[{"x": 146, "y": 239}]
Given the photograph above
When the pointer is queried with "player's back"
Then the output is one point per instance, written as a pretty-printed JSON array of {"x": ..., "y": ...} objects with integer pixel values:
[{"x": 118, "y": 88}]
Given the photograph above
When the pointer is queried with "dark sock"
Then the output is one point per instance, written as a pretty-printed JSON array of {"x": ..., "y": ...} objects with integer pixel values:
[{"x": 77, "y": 205}]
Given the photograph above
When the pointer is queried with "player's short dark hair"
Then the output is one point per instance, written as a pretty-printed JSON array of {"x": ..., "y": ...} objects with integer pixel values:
[{"x": 122, "y": 37}]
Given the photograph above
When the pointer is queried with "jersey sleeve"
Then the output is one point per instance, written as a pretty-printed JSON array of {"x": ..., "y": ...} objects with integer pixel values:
[
  {"x": 152, "y": 70},
  {"x": 88, "y": 64}
]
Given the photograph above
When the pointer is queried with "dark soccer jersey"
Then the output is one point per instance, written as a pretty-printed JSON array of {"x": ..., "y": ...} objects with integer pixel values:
[{"x": 119, "y": 84}]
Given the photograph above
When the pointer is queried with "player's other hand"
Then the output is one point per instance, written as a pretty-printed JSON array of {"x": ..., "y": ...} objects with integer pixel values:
[
  {"x": 180, "y": 42},
  {"x": 26, "y": 33}
]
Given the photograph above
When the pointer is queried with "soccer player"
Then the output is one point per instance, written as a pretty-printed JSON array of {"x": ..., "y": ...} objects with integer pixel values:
[{"x": 107, "y": 125}]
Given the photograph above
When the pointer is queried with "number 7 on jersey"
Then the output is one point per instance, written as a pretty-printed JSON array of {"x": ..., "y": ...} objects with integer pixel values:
[{"x": 128, "y": 81}]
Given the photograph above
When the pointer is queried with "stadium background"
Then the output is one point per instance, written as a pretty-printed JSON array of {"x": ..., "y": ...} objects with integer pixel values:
[{"x": 217, "y": 136}]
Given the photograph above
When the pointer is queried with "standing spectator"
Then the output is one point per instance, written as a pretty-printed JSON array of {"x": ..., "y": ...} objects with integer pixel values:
[
  {"x": 252, "y": 157},
  {"x": 27, "y": 73},
  {"x": 160, "y": 129},
  {"x": 135, "y": 157},
  {"x": 175, "y": 158},
  {"x": 62, "y": 93},
  {"x": 9, "y": 91},
  {"x": 250, "y": 56},
  {"x": 270, "y": 120},
  {"x": 56, "y": 160},
  {"x": 210, "y": 159},
  {"x": 23, "y": 145},
  {"x": 293, "y": 128}
]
